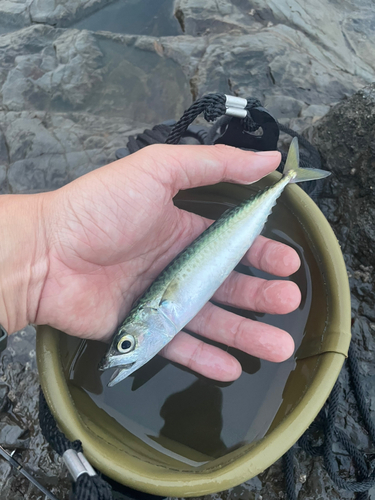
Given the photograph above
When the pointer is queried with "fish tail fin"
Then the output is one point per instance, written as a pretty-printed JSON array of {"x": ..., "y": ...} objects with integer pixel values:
[{"x": 296, "y": 173}]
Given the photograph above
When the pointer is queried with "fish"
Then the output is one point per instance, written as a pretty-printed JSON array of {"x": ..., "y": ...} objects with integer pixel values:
[{"x": 191, "y": 279}]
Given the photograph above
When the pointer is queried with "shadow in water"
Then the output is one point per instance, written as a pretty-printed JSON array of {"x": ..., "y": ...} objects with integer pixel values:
[{"x": 198, "y": 411}]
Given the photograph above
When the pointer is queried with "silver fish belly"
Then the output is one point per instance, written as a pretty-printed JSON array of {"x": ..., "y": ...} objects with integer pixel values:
[{"x": 189, "y": 282}]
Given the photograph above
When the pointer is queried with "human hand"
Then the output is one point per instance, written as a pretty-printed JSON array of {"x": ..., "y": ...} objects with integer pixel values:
[{"x": 106, "y": 236}]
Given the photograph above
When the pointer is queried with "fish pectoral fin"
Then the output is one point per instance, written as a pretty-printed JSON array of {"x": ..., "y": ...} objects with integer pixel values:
[{"x": 169, "y": 293}]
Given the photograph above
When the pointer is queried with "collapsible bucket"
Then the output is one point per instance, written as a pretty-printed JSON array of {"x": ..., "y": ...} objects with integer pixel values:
[{"x": 320, "y": 353}]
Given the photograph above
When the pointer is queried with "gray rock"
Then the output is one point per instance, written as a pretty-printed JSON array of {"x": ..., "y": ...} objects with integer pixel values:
[
  {"x": 284, "y": 107},
  {"x": 48, "y": 151},
  {"x": 12, "y": 435},
  {"x": 315, "y": 111},
  {"x": 214, "y": 16},
  {"x": 16, "y": 14},
  {"x": 4, "y": 156},
  {"x": 140, "y": 18},
  {"x": 3, "y": 179},
  {"x": 107, "y": 74},
  {"x": 20, "y": 428},
  {"x": 264, "y": 64},
  {"x": 345, "y": 138},
  {"x": 315, "y": 52},
  {"x": 56, "y": 12}
]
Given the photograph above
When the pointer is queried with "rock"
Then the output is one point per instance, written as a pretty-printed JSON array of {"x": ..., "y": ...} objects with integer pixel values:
[
  {"x": 315, "y": 111},
  {"x": 3, "y": 179},
  {"x": 286, "y": 49},
  {"x": 345, "y": 138},
  {"x": 12, "y": 435},
  {"x": 13, "y": 15},
  {"x": 20, "y": 428},
  {"x": 48, "y": 151},
  {"x": 111, "y": 75},
  {"x": 284, "y": 107},
  {"x": 139, "y": 18},
  {"x": 16, "y": 14},
  {"x": 263, "y": 64},
  {"x": 211, "y": 17}
]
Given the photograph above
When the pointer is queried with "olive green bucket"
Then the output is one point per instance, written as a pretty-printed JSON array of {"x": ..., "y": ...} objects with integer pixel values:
[{"x": 130, "y": 461}]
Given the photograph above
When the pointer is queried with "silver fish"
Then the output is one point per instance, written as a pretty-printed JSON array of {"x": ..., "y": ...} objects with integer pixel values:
[{"x": 188, "y": 283}]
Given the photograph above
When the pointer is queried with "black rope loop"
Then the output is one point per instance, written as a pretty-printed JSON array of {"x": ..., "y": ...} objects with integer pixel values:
[
  {"x": 59, "y": 442},
  {"x": 248, "y": 122},
  {"x": 91, "y": 488},
  {"x": 325, "y": 425},
  {"x": 213, "y": 107},
  {"x": 86, "y": 487}
]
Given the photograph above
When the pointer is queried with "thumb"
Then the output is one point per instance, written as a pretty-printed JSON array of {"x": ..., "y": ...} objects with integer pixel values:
[{"x": 183, "y": 166}]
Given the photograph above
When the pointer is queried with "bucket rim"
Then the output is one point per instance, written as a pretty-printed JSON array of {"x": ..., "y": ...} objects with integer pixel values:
[{"x": 157, "y": 480}]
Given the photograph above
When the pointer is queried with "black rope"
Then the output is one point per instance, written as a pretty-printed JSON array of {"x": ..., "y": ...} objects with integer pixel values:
[
  {"x": 290, "y": 482},
  {"x": 212, "y": 106},
  {"x": 157, "y": 135},
  {"x": 325, "y": 426},
  {"x": 91, "y": 488},
  {"x": 86, "y": 487}
]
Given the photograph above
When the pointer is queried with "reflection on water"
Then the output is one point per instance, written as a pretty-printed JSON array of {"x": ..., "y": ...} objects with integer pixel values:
[
  {"x": 164, "y": 404},
  {"x": 132, "y": 17}
]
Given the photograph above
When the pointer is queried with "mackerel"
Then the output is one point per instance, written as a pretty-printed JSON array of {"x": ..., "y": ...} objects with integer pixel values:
[{"x": 192, "y": 278}]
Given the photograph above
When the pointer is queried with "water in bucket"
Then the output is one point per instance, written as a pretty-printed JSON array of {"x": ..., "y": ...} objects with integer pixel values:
[{"x": 178, "y": 412}]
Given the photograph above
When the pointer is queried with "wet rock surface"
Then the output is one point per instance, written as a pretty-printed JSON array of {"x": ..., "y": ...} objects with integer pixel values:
[
  {"x": 74, "y": 86},
  {"x": 19, "y": 427}
]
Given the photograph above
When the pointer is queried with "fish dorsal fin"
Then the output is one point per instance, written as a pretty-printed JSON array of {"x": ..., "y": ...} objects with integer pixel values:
[{"x": 292, "y": 160}]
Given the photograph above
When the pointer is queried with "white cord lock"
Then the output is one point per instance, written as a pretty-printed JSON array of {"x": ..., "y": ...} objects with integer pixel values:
[
  {"x": 77, "y": 464},
  {"x": 235, "y": 106}
]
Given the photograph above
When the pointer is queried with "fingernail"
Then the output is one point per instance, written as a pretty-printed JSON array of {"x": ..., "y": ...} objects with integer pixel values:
[{"x": 267, "y": 153}]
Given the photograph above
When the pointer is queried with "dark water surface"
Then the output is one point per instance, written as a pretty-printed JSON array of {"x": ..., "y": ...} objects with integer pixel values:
[
  {"x": 149, "y": 17},
  {"x": 163, "y": 403}
]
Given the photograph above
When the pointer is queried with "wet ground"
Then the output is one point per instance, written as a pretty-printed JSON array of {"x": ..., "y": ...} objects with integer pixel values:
[{"x": 77, "y": 78}]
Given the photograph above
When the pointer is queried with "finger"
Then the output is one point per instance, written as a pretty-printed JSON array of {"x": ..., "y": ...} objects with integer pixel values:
[
  {"x": 187, "y": 166},
  {"x": 272, "y": 257},
  {"x": 256, "y": 294},
  {"x": 202, "y": 358},
  {"x": 255, "y": 338}
]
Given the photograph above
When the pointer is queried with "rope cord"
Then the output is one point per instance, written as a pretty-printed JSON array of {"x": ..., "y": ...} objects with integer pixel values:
[
  {"x": 86, "y": 487},
  {"x": 212, "y": 106},
  {"x": 325, "y": 425}
]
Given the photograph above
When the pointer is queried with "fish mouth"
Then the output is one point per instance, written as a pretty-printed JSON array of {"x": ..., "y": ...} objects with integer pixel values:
[{"x": 119, "y": 374}]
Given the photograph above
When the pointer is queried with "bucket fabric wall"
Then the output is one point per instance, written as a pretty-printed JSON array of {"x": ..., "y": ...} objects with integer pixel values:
[{"x": 128, "y": 460}]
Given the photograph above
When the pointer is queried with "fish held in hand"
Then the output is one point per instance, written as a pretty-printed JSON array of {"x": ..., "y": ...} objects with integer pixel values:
[{"x": 192, "y": 278}]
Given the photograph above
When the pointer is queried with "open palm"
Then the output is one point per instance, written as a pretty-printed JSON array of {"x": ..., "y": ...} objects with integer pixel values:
[{"x": 111, "y": 232}]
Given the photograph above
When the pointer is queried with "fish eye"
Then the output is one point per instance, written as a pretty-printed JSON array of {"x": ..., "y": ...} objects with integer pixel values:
[{"x": 126, "y": 344}]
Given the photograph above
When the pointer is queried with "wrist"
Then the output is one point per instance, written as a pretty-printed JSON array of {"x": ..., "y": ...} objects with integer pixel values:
[{"x": 23, "y": 258}]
